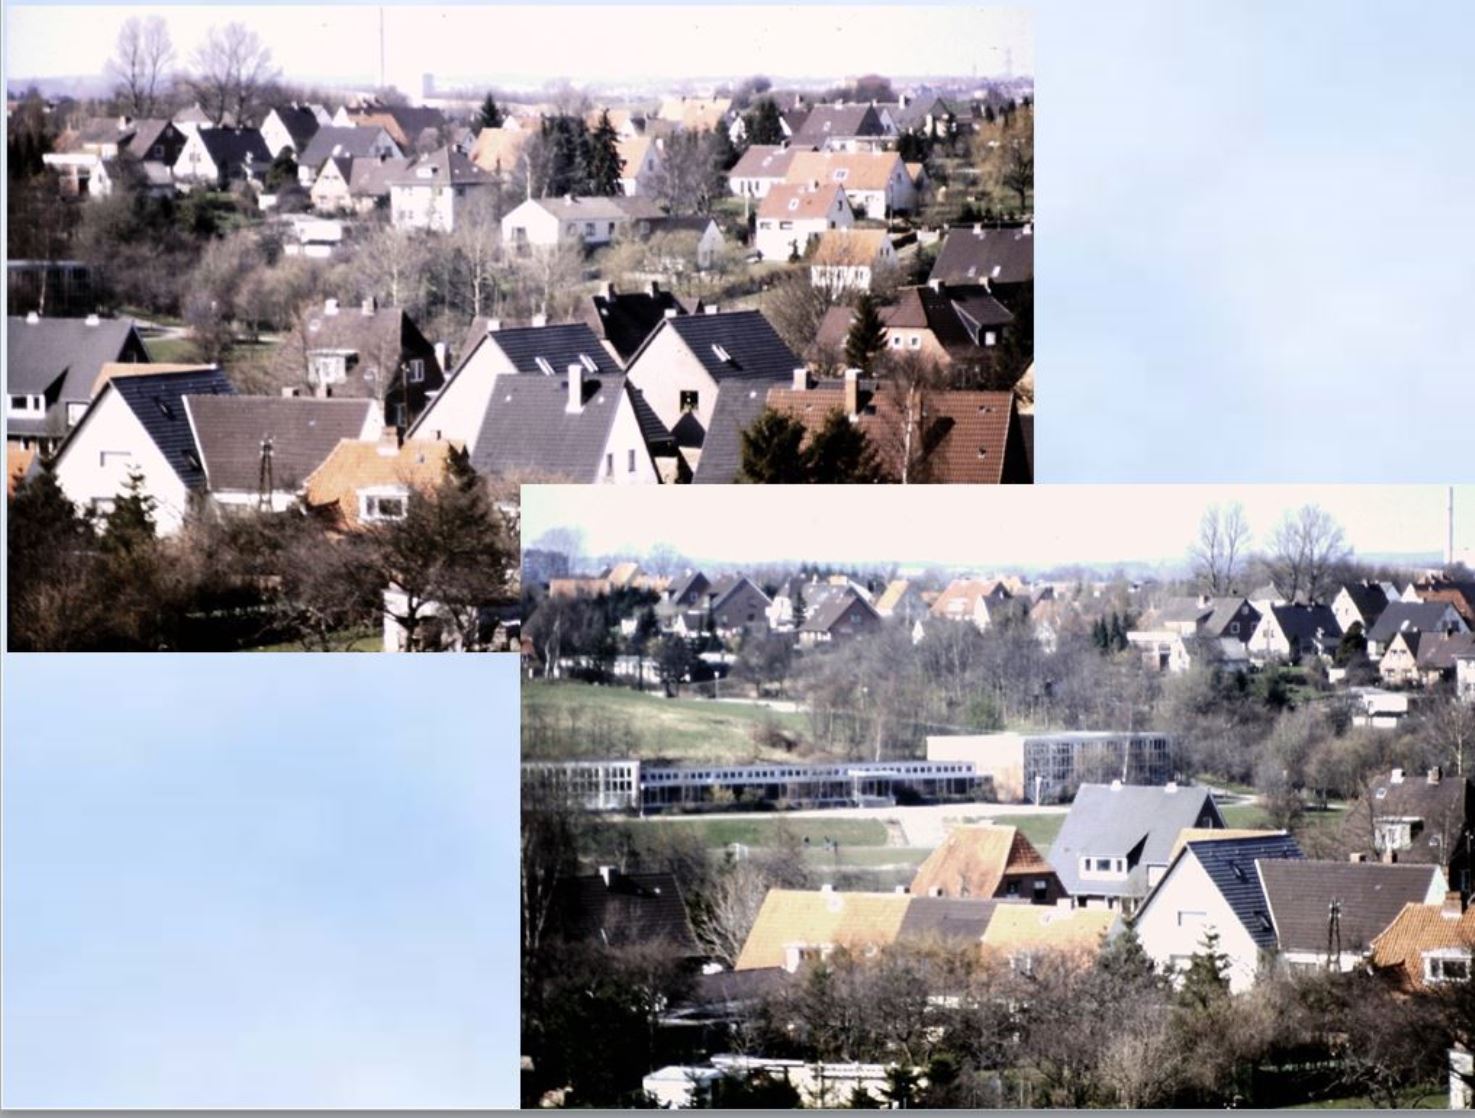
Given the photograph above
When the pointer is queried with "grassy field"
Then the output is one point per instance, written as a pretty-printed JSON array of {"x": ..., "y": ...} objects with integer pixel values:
[
  {"x": 579, "y": 719},
  {"x": 177, "y": 351},
  {"x": 1039, "y": 829},
  {"x": 762, "y": 830}
]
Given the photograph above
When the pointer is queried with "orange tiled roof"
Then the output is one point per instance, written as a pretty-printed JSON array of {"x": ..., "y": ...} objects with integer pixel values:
[
  {"x": 858, "y": 170},
  {"x": 695, "y": 113},
  {"x": 816, "y": 918},
  {"x": 966, "y": 590},
  {"x": 498, "y": 149},
  {"x": 849, "y": 246},
  {"x": 974, "y": 862},
  {"x": 356, "y": 464},
  {"x": 1419, "y": 928},
  {"x": 1036, "y": 927},
  {"x": 796, "y": 201},
  {"x": 895, "y": 590}
]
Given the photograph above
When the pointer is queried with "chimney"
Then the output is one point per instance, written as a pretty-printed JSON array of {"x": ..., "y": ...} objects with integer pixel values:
[
  {"x": 609, "y": 289},
  {"x": 330, "y": 306},
  {"x": 852, "y": 392},
  {"x": 936, "y": 285},
  {"x": 1116, "y": 785},
  {"x": 1171, "y": 788},
  {"x": 389, "y": 441},
  {"x": 441, "y": 354},
  {"x": 1357, "y": 859},
  {"x": 1453, "y": 907},
  {"x": 801, "y": 379},
  {"x": 1390, "y": 857},
  {"x": 655, "y": 288},
  {"x": 900, "y": 889},
  {"x": 1028, "y": 230},
  {"x": 609, "y": 874},
  {"x": 978, "y": 228},
  {"x": 368, "y": 306},
  {"x": 291, "y": 392},
  {"x": 671, "y": 312},
  {"x": 1396, "y": 777},
  {"x": 711, "y": 308},
  {"x": 93, "y": 320},
  {"x": 540, "y": 319},
  {"x": 575, "y": 388},
  {"x": 1435, "y": 774},
  {"x": 32, "y": 318},
  {"x": 827, "y": 888},
  {"x": 493, "y": 325}
]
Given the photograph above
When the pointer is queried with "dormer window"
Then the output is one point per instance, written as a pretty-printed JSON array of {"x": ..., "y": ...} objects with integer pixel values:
[
  {"x": 383, "y": 503},
  {"x": 1447, "y": 964},
  {"x": 722, "y": 354},
  {"x": 417, "y": 370},
  {"x": 543, "y": 366}
]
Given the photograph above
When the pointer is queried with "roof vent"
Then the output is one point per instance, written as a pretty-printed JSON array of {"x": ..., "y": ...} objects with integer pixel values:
[
  {"x": 1396, "y": 777},
  {"x": 540, "y": 320},
  {"x": 722, "y": 354},
  {"x": 92, "y": 320}
]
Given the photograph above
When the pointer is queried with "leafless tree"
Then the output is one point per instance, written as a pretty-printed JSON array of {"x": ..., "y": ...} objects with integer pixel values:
[
  {"x": 140, "y": 64},
  {"x": 394, "y": 266},
  {"x": 478, "y": 243},
  {"x": 1306, "y": 549},
  {"x": 732, "y": 907},
  {"x": 908, "y": 432},
  {"x": 549, "y": 277},
  {"x": 796, "y": 308},
  {"x": 230, "y": 69},
  {"x": 1218, "y": 553}
]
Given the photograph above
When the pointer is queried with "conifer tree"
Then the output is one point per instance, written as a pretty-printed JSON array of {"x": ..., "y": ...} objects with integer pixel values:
[
  {"x": 130, "y": 525},
  {"x": 604, "y": 163},
  {"x": 867, "y": 337},
  {"x": 839, "y": 453},
  {"x": 764, "y": 123},
  {"x": 1206, "y": 980},
  {"x": 770, "y": 448},
  {"x": 490, "y": 115}
]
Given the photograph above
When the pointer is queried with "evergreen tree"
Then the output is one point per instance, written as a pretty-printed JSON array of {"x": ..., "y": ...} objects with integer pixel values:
[
  {"x": 1125, "y": 963},
  {"x": 130, "y": 525},
  {"x": 771, "y": 451},
  {"x": 1206, "y": 981},
  {"x": 490, "y": 115},
  {"x": 839, "y": 453},
  {"x": 722, "y": 153},
  {"x": 867, "y": 337},
  {"x": 764, "y": 123},
  {"x": 604, "y": 163},
  {"x": 283, "y": 171},
  {"x": 800, "y": 609}
]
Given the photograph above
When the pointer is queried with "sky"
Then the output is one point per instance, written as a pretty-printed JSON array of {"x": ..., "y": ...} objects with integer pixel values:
[
  {"x": 260, "y": 881},
  {"x": 974, "y": 526},
  {"x": 581, "y": 41}
]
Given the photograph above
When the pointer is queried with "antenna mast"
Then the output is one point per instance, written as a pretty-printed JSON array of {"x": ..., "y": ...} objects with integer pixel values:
[
  {"x": 264, "y": 482},
  {"x": 1334, "y": 934}
]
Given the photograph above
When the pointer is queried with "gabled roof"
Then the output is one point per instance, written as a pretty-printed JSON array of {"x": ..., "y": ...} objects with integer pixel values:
[
  {"x": 1020, "y": 927},
  {"x": 790, "y": 201},
  {"x": 1307, "y": 622},
  {"x": 738, "y": 405},
  {"x": 1369, "y": 598},
  {"x": 229, "y": 431},
  {"x": 559, "y": 346},
  {"x": 1424, "y": 616},
  {"x": 300, "y": 122},
  {"x": 763, "y": 161},
  {"x": 147, "y": 133},
  {"x": 823, "y": 615},
  {"x": 1124, "y": 821},
  {"x": 725, "y": 588},
  {"x": 891, "y": 597},
  {"x": 498, "y": 149},
  {"x": 631, "y": 908},
  {"x": 404, "y": 123},
  {"x": 445, "y": 166},
  {"x": 356, "y": 464},
  {"x": 826, "y": 121},
  {"x": 157, "y": 400},
  {"x": 528, "y": 427},
  {"x": 370, "y": 176},
  {"x": 38, "y": 353},
  {"x": 1370, "y": 896},
  {"x": 975, "y": 254},
  {"x": 955, "y": 322},
  {"x": 688, "y": 586},
  {"x": 1459, "y": 594},
  {"x": 1231, "y": 866},
  {"x": 967, "y": 591},
  {"x": 817, "y": 917},
  {"x": 974, "y": 862},
  {"x": 852, "y": 170},
  {"x": 1438, "y": 651},
  {"x": 1420, "y": 928},
  {"x": 849, "y": 246},
  {"x": 233, "y": 148},
  {"x": 626, "y": 318},
  {"x": 734, "y": 345},
  {"x": 331, "y": 140},
  {"x": 954, "y": 919}
]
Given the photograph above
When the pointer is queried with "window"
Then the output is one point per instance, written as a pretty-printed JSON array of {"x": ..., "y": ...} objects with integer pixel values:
[
  {"x": 688, "y": 401},
  {"x": 588, "y": 228},
  {"x": 609, "y": 464},
  {"x": 382, "y": 504},
  {"x": 113, "y": 457},
  {"x": 1011, "y": 889},
  {"x": 1446, "y": 965},
  {"x": 417, "y": 370},
  {"x": 1188, "y": 918},
  {"x": 1041, "y": 888},
  {"x": 786, "y": 225},
  {"x": 990, "y": 338},
  {"x": 630, "y": 467},
  {"x": 895, "y": 341},
  {"x": 915, "y": 341},
  {"x": 20, "y": 403}
]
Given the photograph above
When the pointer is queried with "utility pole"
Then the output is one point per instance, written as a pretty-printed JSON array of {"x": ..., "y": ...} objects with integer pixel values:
[
  {"x": 264, "y": 482},
  {"x": 1334, "y": 934}
]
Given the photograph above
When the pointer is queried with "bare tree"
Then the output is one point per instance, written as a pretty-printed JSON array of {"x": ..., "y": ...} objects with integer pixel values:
[
  {"x": 478, "y": 244},
  {"x": 1218, "y": 552},
  {"x": 230, "y": 69},
  {"x": 140, "y": 64},
  {"x": 908, "y": 432},
  {"x": 1306, "y": 548},
  {"x": 732, "y": 907}
]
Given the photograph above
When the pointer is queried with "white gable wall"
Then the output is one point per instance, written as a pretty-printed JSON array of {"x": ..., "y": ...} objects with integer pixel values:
[
  {"x": 665, "y": 369},
  {"x": 458, "y": 410},
  {"x": 1171, "y": 925},
  {"x": 626, "y": 459}
]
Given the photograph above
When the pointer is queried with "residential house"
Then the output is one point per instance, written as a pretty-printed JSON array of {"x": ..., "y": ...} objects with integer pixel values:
[
  {"x": 759, "y": 169},
  {"x": 688, "y": 591},
  {"x": 691, "y": 363},
  {"x": 500, "y": 152},
  {"x": 257, "y": 452},
  {"x": 1117, "y": 840},
  {"x": 987, "y": 861},
  {"x": 695, "y": 114},
  {"x": 1425, "y": 617},
  {"x": 708, "y": 234},
  {"x": 366, "y": 480},
  {"x": 51, "y": 368},
  {"x": 433, "y": 188},
  {"x": 850, "y": 258},
  {"x": 958, "y": 328},
  {"x": 591, "y": 221},
  {"x": 1329, "y": 914},
  {"x": 412, "y": 128},
  {"x": 137, "y": 427},
  {"x": 793, "y": 215},
  {"x": 1399, "y": 665},
  {"x": 1021, "y": 933},
  {"x": 876, "y": 183},
  {"x": 1424, "y": 820},
  {"x": 217, "y": 157},
  {"x": 1294, "y": 631},
  {"x": 291, "y": 127},
  {"x": 622, "y": 320},
  {"x": 903, "y": 600},
  {"x": 1460, "y": 594},
  {"x": 613, "y": 908},
  {"x": 971, "y": 599},
  {"x": 155, "y": 142},
  {"x": 641, "y": 159},
  {"x": 1428, "y": 945},
  {"x": 372, "y": 352},
  {"x": 350, "y": 184},
  {"x": 1359, "y": 603},
  {"x": 316, "y": 238},
  {"x": 1209, "y": 617},
  {"x": 838, "y": 617},
  {"x": 998, "y": 257},
  {"x": 842, "y": 127},
  {"x": 1215, "y": 887},
  {"x": 1050, "y": 767},
  {"x": 332, "y": 142},
  {"x": 738, "y": 606}
]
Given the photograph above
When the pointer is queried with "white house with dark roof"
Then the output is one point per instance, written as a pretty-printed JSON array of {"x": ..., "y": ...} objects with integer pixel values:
[
  {"x": 219, "y": 156},
  {"x": 760, "y": 169},
  {"x": 292, "y": 126},
  {"x": 138, "y": 426},
  {"x": 428, "y": 193},
  {"x": 583, "y": 220},
  {"x": 333, "y": 142}
]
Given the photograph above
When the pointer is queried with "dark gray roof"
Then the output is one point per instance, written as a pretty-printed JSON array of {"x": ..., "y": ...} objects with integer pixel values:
[
  {"x": 626, "y": 318},
  {"x": 822, "y": 616},
  {"x": 754, "y": 349},
  {"x": 725, "y": 588},
  {"x": 652, "y": 430},
  {"x": 970, "y": 253},
  {"x": 1231, "y": 866},
  {"x": 232, "y": 148},
  {"x": 737, "y": 406},
  {"x": 689, "y": 590},
  {"x": 1308, "y": 623},
  {"x": 634, "y": 908},
  {"x": 303, "y": 430},
  {"x": 1369, "y": 598},
  {"x": 825, "y": 121},
  {"x": 60, "y": 358},
  {"x": 1423, "y": 616},
  {"x": 446, "y": 165},
  {"x": 1371, "y": 894},
  {"x": 330, "y": 140},
  {"x": 527, "y": 427},
  {"x": 300, "y": 122},
  {"x": 561, "y": 345},
  {"x": 157, "y": 399},
  {"x": 1116, "y": 821},
  {"x": 950, "y": 918}
]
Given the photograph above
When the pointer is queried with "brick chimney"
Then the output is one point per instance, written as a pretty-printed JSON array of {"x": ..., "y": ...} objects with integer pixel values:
[
  {"x": 852, "y": 392},
  {"x": 1454, "y": 905},
  {"x": 389, "y": 441},
  {"x": 575, "y": 403},
  {"x": 1435, "y": 774},
  {"x": 801, "y": 379}
]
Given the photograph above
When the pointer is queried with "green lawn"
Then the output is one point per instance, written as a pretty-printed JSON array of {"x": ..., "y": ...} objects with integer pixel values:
[
  {"x": 761, "y": 830},
  {"x": 1039, "y": 829},
  {"x": 580, "y": 719},
  {"x": 179, "y": 351}
]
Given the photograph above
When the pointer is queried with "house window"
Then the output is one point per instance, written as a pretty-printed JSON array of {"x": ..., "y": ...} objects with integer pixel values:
[
  {"x": 1448, "y": 965},
  {"x": 990, "y": 338},
  {"x": 786, "y": 225},
  {"x": 895, "y": 341},
  {"x": 630, "y": 466},
  {"x": 588, "y": 228},
  {"x": 382, "y": 504},
  {"x": 609, "y": 465},
  {"x": 688, "y": 401},
  {"x": 1041, "y": 888},
  {"x": 417, "y": 370},
  {"x": 108, "y": 458},
  {"x": 1187, "y": 918},
  {"x": 915, "y": 341}
]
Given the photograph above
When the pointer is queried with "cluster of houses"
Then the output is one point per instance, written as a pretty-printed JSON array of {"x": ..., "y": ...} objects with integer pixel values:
[{"x": 1157, "y": 859}]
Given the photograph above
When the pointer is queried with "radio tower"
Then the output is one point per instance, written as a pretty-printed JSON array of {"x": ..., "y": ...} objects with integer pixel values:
[
  {"x": 1449, "y": 530},
  {"x": 381, "y": 48}
]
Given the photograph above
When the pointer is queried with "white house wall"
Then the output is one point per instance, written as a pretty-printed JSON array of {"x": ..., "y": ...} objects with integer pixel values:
[
  {"x": 1167, "y": 937},
  {"x": 668, "y": 368},
  {"x": 458, "y": 410},
  {"x": 624, "y": 439}
]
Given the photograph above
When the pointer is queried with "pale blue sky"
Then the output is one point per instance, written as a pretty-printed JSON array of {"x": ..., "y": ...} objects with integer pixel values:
[{"x": 259, "y": 881}]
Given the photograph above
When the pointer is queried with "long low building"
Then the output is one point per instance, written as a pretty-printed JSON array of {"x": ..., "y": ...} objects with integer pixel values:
[
  {"x": 1049, "y": 767},
  {"x": 615, "y": 785}
]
